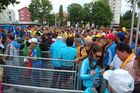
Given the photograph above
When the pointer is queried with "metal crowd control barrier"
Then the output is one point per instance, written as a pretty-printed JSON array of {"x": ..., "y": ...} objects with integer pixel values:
[{"x": 40, "y": 79}]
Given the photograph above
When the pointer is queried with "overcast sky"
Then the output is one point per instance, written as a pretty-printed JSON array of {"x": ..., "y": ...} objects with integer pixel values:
[{"x": 57, "y": 3}]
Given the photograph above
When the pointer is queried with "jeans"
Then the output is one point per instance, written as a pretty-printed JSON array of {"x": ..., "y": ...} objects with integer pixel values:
[{"x": 35, "y": 74}]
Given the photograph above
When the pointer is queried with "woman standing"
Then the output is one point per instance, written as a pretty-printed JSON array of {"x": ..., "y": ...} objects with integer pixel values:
[{"x": 91, "y": 69}]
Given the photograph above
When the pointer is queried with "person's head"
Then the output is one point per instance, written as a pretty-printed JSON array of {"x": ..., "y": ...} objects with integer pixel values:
[
  {"x": 95, "y": 53},
  {"x": 110, "y": 37},
  {"x": 43, "y": 38},
  {"x": 27, "y": 36},
  {"x": 119, "y": 80},
  {"x": 59, "y": 38},
  {"x": 10, "y": 37},
  {"x": 120, "y": 37},
  {"x": 77, "y": 42},
  {"x": 123, "y": 51},
  {"x": 33, "y": 42},
  {"x": 70, "y": 41}
]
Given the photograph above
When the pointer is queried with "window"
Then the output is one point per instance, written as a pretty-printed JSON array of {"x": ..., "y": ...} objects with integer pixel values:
[
  {"x": 22, "y": 14},
  {"x": 10, "y": 19},
  {"x": 22, "y": 18},
  {"x": 9, "y": 12},
  {"x": 21, "y": 11}
]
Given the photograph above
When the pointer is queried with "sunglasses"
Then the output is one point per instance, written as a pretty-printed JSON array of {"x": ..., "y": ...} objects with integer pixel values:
[{"x": 97, "y": 56}]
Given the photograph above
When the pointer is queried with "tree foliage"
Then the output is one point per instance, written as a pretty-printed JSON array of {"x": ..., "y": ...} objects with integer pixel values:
[
  {"x": 101, "y": 13},
  {"x": 125, "y": 20},
  {"x": 5, "y": 3},
  {"x": 61, "y": 16},
  {"x": 40, "y": 10},
  {"x": 87, "y": 13},
  {"x": 75, "y": 13}
]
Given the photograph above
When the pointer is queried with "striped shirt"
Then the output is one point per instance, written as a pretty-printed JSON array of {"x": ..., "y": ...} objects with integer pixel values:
[{"x": 129, "y": 67}]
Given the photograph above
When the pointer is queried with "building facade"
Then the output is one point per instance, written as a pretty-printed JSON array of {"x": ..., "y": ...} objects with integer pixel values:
[
  {"x": 115, "y": 6},
  {"x": 24, "y": 15},
  {"x": 7, "y": 16}
]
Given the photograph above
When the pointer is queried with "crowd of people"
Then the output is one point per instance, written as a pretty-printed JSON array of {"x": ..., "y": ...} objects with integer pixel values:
[{"x": 102, "y": 54}]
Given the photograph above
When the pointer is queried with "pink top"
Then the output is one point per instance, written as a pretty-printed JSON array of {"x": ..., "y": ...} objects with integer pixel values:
[{"x": 129, "y": 67}]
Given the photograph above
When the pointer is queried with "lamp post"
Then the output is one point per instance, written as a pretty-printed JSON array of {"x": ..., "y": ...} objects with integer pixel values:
[
  {"x": 132, "y": 21},
  {"x": 138, "y": 27}
]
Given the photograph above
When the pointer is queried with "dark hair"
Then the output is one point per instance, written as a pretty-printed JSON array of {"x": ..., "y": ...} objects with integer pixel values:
[
  {"x": 11, "y": 36},
  {"x": 123, "y": 47},
  {"x": 70, "y": 41},
  {"x": 94, "y": 49},
  {"x": 43, "y": 38}
]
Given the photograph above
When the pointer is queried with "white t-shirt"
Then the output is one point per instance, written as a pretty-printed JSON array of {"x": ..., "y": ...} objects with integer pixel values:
[{"x": 116, "y": 63}]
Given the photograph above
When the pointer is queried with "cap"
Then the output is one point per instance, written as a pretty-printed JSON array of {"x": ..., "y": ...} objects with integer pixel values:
[
  {"x": 121, "y": 35},
  {"x": 33, "y": 40},
  {"x": 110, "y": 36},
  {"x": 120, "y": 80},
  {"x": 59, "y": 38}
]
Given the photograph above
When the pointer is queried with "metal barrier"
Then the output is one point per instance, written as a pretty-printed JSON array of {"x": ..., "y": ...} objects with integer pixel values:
[{"x": 42, "y": 79}]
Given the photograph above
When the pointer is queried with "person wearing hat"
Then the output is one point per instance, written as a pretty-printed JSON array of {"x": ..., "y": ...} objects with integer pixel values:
[
  {"x": 55, "y": 52},
  {"x": 110, "y": 50},
  {"x": 119, "y": 81},
  {"x": 36, "y": 63}
]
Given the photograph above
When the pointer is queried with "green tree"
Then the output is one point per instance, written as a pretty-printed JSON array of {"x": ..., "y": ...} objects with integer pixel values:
[
  {"x": 125, "y": 20},
  {"x": 51, "y": 20},
  {"x": 101, "y": 13},
  {"x": 61, "y": 16},
  {"x": 87, "y": 13},
  {"x": 75, "y": 13},
  {"x": 40, "y": 10},
  {"x": 5, "y": 3}
]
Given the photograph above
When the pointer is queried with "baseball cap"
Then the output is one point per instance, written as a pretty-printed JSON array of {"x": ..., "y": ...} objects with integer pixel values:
[
  {"x": 121, "y": 35},
  {"x": 110, "y": 36},
  {"x": 120, "y": 80}
]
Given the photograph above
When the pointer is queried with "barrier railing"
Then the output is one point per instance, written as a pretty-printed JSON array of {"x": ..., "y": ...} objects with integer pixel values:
[{"x": 62, "y": 80}]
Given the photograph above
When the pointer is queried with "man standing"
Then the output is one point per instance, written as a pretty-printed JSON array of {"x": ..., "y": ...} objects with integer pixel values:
[
  {"x": 67, "y": 53},
  {"x": 55, "y": 51},
  {"x": 12, "y": 49},
  {"x": 125, "y": 53}
]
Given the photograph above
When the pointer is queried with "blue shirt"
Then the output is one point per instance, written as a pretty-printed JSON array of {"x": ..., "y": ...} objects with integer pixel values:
[
  {"x": 90, "y": 90},
  {"x": 85, "y": 73},
  {"x": 110, "y": 53},
  {"x": 36, "y": 63},
  {"x": 68, "y": 53},
  {"x": 55, "y": 51}
]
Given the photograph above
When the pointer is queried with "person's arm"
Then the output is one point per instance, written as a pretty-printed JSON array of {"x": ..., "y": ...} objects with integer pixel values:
[
  {"x": 82, "y": 57},
  {"x": 84, "y": 69}
]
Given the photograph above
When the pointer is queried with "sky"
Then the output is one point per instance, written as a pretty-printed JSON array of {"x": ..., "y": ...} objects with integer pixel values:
[{"x": 57, "y": 3}]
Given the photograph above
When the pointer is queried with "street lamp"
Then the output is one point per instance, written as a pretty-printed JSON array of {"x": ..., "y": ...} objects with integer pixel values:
[
  {"x": 132, "y": 21},
  {"x": 138, "y": 26}
]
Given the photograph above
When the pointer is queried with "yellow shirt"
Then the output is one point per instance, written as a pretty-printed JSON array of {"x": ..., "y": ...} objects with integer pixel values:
[{"x": 83, "y": 51}]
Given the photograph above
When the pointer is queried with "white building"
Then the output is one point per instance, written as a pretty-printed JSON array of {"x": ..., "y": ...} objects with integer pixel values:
[
  {"x": 115, "y": 6},
  {"x": 7, "y": 16},
  {"x": 116, "y": 10}
]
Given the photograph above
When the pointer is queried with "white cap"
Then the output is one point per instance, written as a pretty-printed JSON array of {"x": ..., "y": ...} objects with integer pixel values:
[
  {"x": 33, "y": 40},
  {"x": 120, "y": 80},
  {"x": 59, "y": 38}
]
